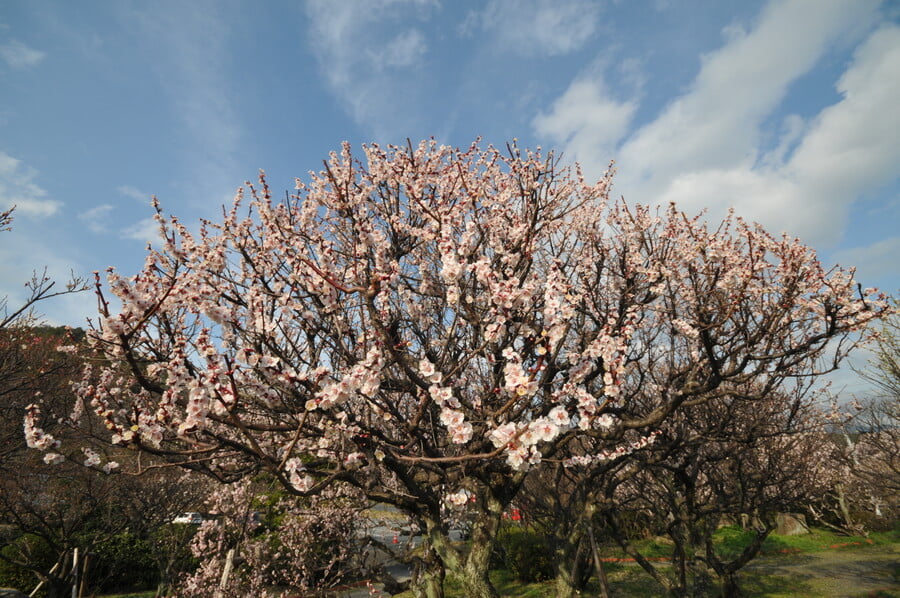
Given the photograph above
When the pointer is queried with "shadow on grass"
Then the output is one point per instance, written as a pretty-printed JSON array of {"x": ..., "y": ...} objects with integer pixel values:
[
  {"x": 775, "y": 586},
  {"x": 630, "y": 580}
]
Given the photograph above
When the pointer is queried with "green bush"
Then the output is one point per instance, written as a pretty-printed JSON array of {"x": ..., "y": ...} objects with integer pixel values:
[
  {"x": 124, "y": 562},
  {"x": 13, "y": 576},
  {"x": 527, "y": 554},
  {"x": 171, "y": 544},
  {"x": 41, "y": 555}
]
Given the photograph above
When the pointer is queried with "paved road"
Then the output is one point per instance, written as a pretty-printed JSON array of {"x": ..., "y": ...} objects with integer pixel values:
[{"x": 385, "y": 526}]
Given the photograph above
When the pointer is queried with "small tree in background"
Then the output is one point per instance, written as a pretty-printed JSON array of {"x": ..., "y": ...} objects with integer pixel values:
[
  {"x": 37, "y": 531},
  {"x": 876, "y": 461},
  {"x": 713, "y": 464},
  {"x": 294, "y": 545},
  {"x": 46, "y": 514},
  {"x": 430, "y": 323},
  {"x": 865, "y": 494}
]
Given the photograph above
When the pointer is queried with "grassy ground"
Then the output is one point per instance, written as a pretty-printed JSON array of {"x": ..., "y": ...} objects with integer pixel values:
[
  {"x": 815, "y": 565},
  {"x": 732, "y": 540}
]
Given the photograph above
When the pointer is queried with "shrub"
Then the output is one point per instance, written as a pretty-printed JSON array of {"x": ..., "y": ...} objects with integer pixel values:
[
  {"x": 124, "y": 562},
  {"x": 15, "y": 576},
  {"x": 527, "y": 554}
]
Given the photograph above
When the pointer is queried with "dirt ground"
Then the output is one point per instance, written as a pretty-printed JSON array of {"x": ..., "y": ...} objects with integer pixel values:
[{"x": 833, "y": 573}]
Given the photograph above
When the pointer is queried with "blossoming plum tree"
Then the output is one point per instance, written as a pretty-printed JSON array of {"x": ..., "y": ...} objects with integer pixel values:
[
  {"x": 309, "y": 549},
  {"x": 749, "y": 454},
  {"x": 430, "y": 320}
]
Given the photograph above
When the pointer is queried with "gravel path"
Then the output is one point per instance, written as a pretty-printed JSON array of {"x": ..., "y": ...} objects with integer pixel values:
[{"x": 838, "y": 573}]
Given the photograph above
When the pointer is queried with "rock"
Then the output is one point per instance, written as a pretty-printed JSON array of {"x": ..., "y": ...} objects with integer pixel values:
[
  {"x": 11, "y": 593},
  {"x": 727, "y": 520},
  {"x": 750, "y": 521},
  {"x": 791, "y": 524}
]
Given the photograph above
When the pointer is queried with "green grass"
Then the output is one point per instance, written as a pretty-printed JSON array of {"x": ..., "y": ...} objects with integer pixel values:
[
  {"x": 505, "y": 583},
  {"x": 628, "y": 579},
  {"x": 731, "y": 540},
  {"x": 818, "y": 540}
]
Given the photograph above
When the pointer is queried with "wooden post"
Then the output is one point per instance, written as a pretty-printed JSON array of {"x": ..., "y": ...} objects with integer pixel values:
[
  {"x": 41, "y": 583},
  {"x": 226, "y": 571},
  {"x": 601, "y": 573},
  {"x": 75, "y": 573},
  {"x": 85, "y": 563}
]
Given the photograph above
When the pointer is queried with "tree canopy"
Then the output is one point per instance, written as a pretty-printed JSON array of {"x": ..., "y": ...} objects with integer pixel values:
[{"x": 429, "y": 323}]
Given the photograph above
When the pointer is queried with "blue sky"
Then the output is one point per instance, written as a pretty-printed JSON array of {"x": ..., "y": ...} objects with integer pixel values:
[{"x": 787, "y": 110}]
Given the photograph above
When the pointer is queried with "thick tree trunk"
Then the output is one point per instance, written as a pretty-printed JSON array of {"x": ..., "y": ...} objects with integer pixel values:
[
  {"x": 474, "y": 569},
  {"x": 730, "y": 586},
  {"x": 474, "y": 573},
  {"x": 567, "y": 557},
  {"x": 727, "y": 571},
  {"x": 702, "y": 585},
  {"x": 428, "y": 576},
  {"x": 428, "y": 584},
  {"x": 703, "y": 575}
]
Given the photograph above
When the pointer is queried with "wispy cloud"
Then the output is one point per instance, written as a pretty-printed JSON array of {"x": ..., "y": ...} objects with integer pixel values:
[
  {"x": 365, "y": 55},
  {"x": 405, "y": 50},
  {"x": 17, "y": 188},
  {"x": 97, "y": 218},
  {"x": 146, "y": 231},
  {"x": 189, "y": 45},
  {"x": 19, "y": 56},
  {"x": 134, "y": 193},
  {"x": 585, "y": 120},
  {"x": 536, "y": 27},
  {"x": 716, "y": 124},
  {"x": 706, "y": 148},
  {"x": 874, "y": 261},
  {"x": 849, "y": 148}
]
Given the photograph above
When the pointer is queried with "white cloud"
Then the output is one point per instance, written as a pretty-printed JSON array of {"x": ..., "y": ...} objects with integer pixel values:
[
  {"x": 97, "y": 218},
  {"x": 854, "y": 144},
  {"x": 363, "y": 58},
  {"x": 405, "y": 50},
  {"x": 537, "y": 27},
  {"x": 134, "y": 193},
  {"x": 19, "y": 56},
  {"x": 146, "y": 231},
  {"x": 585, "y": 120},
  {"x": 851, "y": 147},
  {"x": 17, "y": 188},
  {"x": 716, "y": 123},
  {"x": 705, "y": 148},
  {"x": 872, "y": 262}
]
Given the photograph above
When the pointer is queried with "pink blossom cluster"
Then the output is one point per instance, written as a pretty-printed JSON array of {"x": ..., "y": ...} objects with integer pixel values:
[
  {"x": 35, "y": 437},
  {"x": 363, "y": 378},
  {"x": 458, "y": 499},
  {"x": 611, "y": 455}
]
